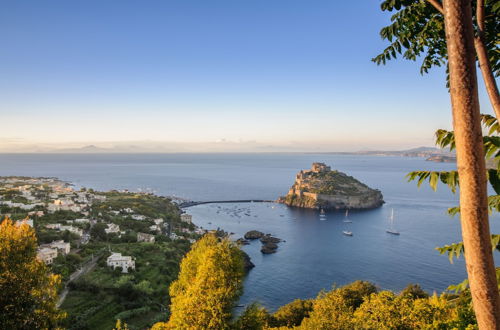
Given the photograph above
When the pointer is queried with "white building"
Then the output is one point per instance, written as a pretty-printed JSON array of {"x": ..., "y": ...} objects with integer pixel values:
[
  {"x": 112, "y": 228},
  {"x": 117, "y": 260},
  {"x": 60, "y": 245},
  {"x": 174, "y": 236},
  {"x": 186, "y": 218},
  {"x": 29, "y": 222},
  {"x": 36, "y": 213},
  {"x": 72, "y": 229},
  {"x": 47, "y": 255},
  {"x": 155, "y": 228},
  {"x": 143, "y": 237},
  {"x": 65, "y": 205},
  {"x": 139, "y": 217},
  {"x": 53, "y": 226},
  {"x": 158, "y": 221},
  {"x": 21, "y": 205},
  {"x": 82, "y": 221}
]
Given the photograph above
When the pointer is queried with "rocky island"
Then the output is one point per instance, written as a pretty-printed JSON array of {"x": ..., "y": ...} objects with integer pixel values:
[{"x": 324, "y": 188}]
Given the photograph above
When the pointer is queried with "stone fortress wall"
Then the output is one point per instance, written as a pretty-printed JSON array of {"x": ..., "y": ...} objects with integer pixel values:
[{"x": 371, "y": 199}]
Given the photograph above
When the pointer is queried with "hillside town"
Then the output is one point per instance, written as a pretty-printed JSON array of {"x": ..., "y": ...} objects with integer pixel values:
[
  {"x": 34, "y": 201},
  {"x": 86, "y": 235}
]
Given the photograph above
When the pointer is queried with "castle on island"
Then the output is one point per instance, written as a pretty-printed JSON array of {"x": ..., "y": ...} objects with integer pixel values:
[{"x": 322, "y": 188}]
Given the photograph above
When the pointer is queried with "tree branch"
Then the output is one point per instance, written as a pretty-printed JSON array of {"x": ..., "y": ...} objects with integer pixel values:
[
  {"x": 488, "y": 78},
  {"x": 484, "y": 63},
  {"x": 480, "y": 15},
  {"x": 437, "y": 5}
]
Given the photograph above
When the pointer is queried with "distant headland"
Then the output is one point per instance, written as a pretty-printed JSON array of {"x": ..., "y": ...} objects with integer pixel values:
[{"x": 322, "y": 188}]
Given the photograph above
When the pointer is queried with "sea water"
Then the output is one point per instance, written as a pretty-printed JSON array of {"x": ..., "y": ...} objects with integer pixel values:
[{"x": 314, "y": 255}]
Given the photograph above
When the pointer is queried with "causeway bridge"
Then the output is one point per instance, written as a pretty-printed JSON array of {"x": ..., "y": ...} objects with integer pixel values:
[{"x": 187, "y": 204}]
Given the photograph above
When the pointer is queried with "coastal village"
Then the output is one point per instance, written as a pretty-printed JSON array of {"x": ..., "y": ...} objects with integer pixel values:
[{"x": 117, "y": 243}]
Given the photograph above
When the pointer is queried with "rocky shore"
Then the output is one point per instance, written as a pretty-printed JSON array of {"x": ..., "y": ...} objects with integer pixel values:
[
  {"x": 323, "y": 188},
  {"x": 269, "y": 242}
]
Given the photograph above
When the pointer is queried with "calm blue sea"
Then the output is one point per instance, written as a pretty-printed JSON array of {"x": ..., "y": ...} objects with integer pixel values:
[{"x": 315, "y": 255}]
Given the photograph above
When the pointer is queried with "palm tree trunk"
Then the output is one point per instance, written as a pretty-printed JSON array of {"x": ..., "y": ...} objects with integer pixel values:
[{"x": 470, "y": 162}]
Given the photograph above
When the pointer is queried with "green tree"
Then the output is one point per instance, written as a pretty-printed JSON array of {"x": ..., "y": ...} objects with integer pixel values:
[
  {"x": 292, "y": 314},
  {"x": 28, "y": 291},
  {"x": 385, "y": 310},
  {"x": 417, "y": 29},
  {"x": 97, "y": 232},
  {"x": 209, "y": 283},
  {"x": 254, "y": 317},
  {"x": 334, "y": 309},
  {"x": 120, "y": 325}
]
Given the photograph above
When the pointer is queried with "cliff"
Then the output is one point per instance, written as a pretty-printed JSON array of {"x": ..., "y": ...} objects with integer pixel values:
[{"x": 322, "y": 188}]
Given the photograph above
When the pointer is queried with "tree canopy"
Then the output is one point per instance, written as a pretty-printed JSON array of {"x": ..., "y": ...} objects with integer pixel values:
[
  {"x": 417, "y": 30},
  {"x": 209, "y": 283},
  {"x": 28, "y": 291}
]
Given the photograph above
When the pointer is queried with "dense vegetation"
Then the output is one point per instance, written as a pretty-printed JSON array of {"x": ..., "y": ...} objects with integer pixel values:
[
  {"x": 210, "y": 282},
  {"x": 208, "y": 285},
  {"x": 336, "y": 183},
  {"x": 28, "y": 291},
  {"x": 140, "y": 298}
]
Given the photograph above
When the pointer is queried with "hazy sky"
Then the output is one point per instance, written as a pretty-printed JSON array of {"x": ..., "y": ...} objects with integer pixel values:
[{"x": 262, "y": 72}]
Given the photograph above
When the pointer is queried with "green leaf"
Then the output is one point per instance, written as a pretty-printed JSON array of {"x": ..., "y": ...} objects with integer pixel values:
[
  {"x": 434, "y": 180},
  {"x": 493, "y": 178}
]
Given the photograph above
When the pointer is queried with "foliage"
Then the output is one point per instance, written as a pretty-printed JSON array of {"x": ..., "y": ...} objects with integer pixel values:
[
  {"x": 446, "y": 139},
  {"x": 334, "y": 182},
  {"x": 120, "y": 326},
  {"x": 292, "y": 314},
  {"x": 254, "y": 317},
  {"x": 333, "y": 310},
  {"x": 384, "y": 310},
  {"x": 29, "y": 291},
  {"x": 414, "y": 291},
  {"x": 64, "y": 265},
  {"x": 139, "y": 298},
  {"x": 208, "y": 285},
  {"x": 417, "y": 29},
  {"x": 97, "y": 232}
]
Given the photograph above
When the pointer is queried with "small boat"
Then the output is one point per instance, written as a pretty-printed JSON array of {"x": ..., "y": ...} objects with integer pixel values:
[
  {"x": 347, "y": 233},
  {"x": 391, "y": 230},
  {"x": 346, "y": 216},
  {"x": 322, "y": 215}
]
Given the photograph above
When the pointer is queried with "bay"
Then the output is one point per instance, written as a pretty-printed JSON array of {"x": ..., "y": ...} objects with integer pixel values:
[{"x": 315, "y": 254}]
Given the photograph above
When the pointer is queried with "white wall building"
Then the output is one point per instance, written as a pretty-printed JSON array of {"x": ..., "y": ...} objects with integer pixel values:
[
  {"x": 47, "y": 255},
  {"x": 72, "y": 229},
  {"x": 117, "y": 260},
  {"x": 143, "y": 237},
  {"x": 186, "y": 217},
  {"x": 60, "y": 245},
  {"x": 29, "y": 222},
  {"x": 112, "y": 228}
]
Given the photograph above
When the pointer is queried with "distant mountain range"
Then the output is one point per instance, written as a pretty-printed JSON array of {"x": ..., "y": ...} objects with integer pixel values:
[
  {"x": 223, "y": 146},
  {"x": 414, "y": 152}
]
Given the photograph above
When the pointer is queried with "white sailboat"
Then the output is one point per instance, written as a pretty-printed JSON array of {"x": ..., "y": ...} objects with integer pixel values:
[
  {"x": 347, "y": 216},
  {"x": 391, "y": 230},
  {"x": 322, "y": 215},
  {"x": 347, "y": 232}
]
